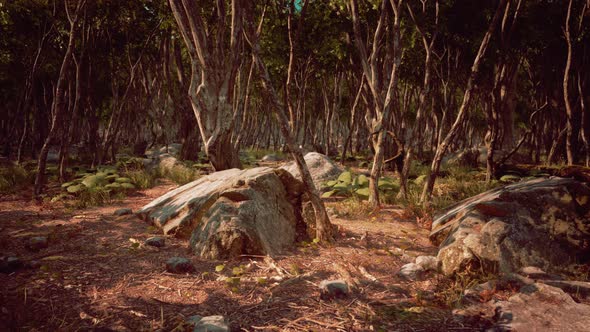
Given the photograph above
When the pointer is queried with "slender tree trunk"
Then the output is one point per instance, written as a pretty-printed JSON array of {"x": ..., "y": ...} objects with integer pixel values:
[
  {"x": 59, "y": 99},
  {"x": 442, "y": 147},
  {"x": 325, "y": 231},
  {"x": 568, "y": 107}
]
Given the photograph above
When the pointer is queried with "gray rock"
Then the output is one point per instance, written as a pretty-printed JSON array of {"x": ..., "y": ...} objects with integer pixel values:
[
  {"x": 156, "y": 241},
  {"x": 322, "y": 169},
  {"x": 194, "y": 320},
  {"x": 330, "y": 289},
  {"x": 577, "y": 288},
  {"x": 473, "y": 294},
  {"x": 34, "y": 264},
  {"x": 534, "y": 272},
  {"x": 212, "y": 324},
  {"x": 536, "y": 307},
  {"x": 411, "y": 271},
  {"x": 539, "y": 222},
  {"x": 37, "y": 243},
  {"x": 9, "y": 264},
  {"x": 533, "y": 309},
  {"x": 122, "y": 212},
  {"x": 428, "y": 263},
  {"x": 233, "y": 212},
  {"x": 179, "y": 265}
]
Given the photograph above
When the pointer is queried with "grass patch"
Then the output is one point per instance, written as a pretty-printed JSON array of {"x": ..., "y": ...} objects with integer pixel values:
[
  {"x": 459, "y": 183},
  {"x": 181, "y": 174},
  {"x": 14, "y": 177},
  {"x": 143, "y": 179},
  {"x": 352, "y": 207}
]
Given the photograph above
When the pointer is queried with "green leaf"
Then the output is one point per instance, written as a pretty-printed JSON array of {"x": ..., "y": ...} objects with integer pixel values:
[
  {"x": 328, "y": 194},
  {"x": 345, "y": 177},
  {"x": 237, "y": 271},
  {"x": 74, "y": 189},
  {"x": 127, "y": 186},
  {"x": 123, "y": 180},
  {"x": 363, "y": 193},
  {"x": 362, "y": 180},
  {"x": 219, "y": 268}
]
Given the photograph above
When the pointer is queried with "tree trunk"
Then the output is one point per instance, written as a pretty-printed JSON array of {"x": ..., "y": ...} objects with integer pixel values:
[
  {"x": 569, "y": 145},
  {"x": 442, "y": 147},
  {"x": 59, "y": 99},
  {"x": 325, "y": 231}
]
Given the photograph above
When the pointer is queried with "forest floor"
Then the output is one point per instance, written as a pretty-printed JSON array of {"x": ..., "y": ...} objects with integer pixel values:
[{"x": 97, "y": 275}]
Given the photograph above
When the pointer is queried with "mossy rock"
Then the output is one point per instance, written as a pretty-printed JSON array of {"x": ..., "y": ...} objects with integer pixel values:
[
  {"x": 75, "y": 189},
  {"x": 127, "y": 186},
  {"x": 123, "y": 180}
]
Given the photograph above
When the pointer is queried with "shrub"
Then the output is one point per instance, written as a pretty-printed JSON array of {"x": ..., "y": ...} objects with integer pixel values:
[
  {"x": 181, "y": 174},
  {"x": 14, "y": 177},
  {"x": 349, "y": 185}
]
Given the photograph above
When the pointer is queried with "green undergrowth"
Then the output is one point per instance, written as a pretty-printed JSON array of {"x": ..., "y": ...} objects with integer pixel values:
[
  {"x": 15, "y": 177},
  {"x": 357, "y": 186},
  {"x": 181, "y": 174},
  {"x": 91, "y": 187}
]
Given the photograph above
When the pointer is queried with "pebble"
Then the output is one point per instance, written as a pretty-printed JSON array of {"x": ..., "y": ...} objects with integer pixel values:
[
  {"x": 123, "y": 212},
  {"x": 179, "y": 265},
  {"x": 37, "y": 243},
  {"x": 330, "y": 289},
  {"x": 156, "y": 241}
]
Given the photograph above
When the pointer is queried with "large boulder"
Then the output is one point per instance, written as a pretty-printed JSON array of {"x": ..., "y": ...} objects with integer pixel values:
[
  {"x": 233, "y": 212},
  {"x": 322, "y": 169},
  {"x": 535, "y": 307},
  {"x": 542, "y": 222}
]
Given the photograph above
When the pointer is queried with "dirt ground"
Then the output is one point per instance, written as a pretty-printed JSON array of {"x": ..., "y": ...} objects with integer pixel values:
[{"x": 96, "y": 275}]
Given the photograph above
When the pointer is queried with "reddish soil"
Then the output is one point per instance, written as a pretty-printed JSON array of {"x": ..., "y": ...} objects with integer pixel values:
[{"x": 93, "y": 277}]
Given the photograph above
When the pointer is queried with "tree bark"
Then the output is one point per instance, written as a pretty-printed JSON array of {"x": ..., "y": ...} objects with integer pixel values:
[{"x": 213, "y": 75}]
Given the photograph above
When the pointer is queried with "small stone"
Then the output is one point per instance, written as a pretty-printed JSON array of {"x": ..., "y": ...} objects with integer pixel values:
[
  {"x": 411, "y": 271},
  {"x": 534, "y": 272},
  {"x": 474, "y": 294},
  {"x": 194, "y": 320},
  {"x": 37, "y": 243},
  {"x": 33, "y": 264},
  {"x": 156, "y": 241},
  {"x": 9, "y": 264},
  {"x": 428, "y": 263},
  {"x": 179, "y": 265},
  {"x": 123, "y": 212},
  {"x": 211, "y": 324},
  {"x": 333, "y": 289}
]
